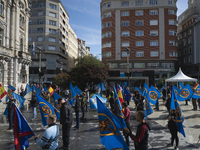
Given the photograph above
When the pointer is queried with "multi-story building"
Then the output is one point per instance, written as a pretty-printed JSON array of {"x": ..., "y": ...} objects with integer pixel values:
[
  {"x": 188, "y": 34},
  {"x": 14, "y": 55},
  {"x": 49, "y": 28},
  {"x": 145, "y": 27},
  {"x": 73, "y": 49},
  {"x": 83, "y": 50}
]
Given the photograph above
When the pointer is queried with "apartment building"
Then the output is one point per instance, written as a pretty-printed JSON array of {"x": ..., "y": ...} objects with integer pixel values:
[
  {"x": 83, "y": 50},
  {"x": 49, "y": 29},
  {"x": 14, "y": 55},
  {"x": 142, "y": 32},
  {"x": 188, "y": 43}
]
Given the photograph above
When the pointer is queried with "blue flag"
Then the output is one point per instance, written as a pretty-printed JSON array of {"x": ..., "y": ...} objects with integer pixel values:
[
  {"x": 45, "y": 109},
  {"x": 153, "y": 95},
  {"x": 196, "y": 93},
  {"x": 19, "y": 100},
  {"x": 147, "y": 108},
  {"x": 56, "y": 105},
  {"x": 179, "y": 118},
  {"x": 78, "y": 91},
  {"x": 126, "y": 93},
  {"x": 12, "y": 88},
  {"x": 118, "y": 109},
  {"x": 173, "y": 97},
  {"x": 146, "y": 89},
  {"x": 109, "y": 128},
  {"x": 36, "y": 90},
  {"x": 22, "y": 130},
  {"x": 162, "y": 88},
  {"x": 73, "y": 94},
  {"x": 185, "y": 93},
  {"x": 45, "y": 89},
  {"x": 176, "y": 90},
  {"x": 93, "y": 101},
  {"x": 27, "y": 89},
  {"x": 181, "y": 86},
  {"x": 137, "y": 89},
  {"x": 102, "y": 87}
]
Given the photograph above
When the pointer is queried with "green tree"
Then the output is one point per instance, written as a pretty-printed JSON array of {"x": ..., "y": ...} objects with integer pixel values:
[
  {"x": 62, "y": 80},
  {"x": 87, "y": 70}
]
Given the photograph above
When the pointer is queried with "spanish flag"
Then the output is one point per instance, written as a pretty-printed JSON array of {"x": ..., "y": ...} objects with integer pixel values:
[
  {"x": 120, "y": 96},
  {"x": 2, "y": 92},
  {"x": 51, "y": 90},
  {"x": 195, "y": 87}
]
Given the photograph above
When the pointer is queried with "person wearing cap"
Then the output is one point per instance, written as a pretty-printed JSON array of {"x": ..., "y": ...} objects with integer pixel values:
[{"x": 66, "y": 119}]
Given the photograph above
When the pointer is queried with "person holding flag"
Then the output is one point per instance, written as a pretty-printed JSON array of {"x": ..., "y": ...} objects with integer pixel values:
[
  {"x": 49, "y": 140},
  {"x": 66, "y": 119},
  {"x": 142, "y": 135},
  {"x": 10, "y": 107}
]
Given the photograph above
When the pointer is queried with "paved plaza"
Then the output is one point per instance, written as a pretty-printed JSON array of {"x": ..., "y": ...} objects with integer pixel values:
[{"x": 87, "y": 138}]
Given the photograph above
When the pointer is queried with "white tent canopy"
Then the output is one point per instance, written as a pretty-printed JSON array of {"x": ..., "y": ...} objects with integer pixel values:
[{"x": 181, "y": 77}]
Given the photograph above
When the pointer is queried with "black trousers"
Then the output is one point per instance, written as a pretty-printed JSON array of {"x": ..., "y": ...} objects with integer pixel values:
[
  {"x": 66, "y": 134},
  {"x": 174, "y": 137}
]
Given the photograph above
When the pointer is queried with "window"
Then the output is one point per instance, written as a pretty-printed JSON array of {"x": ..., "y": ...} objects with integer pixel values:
[
  {"x": 167, "y": 65},
  {"x": 106, "y": 5},
  {"x": 125, "y": 13},
  {"x": 21, "y": 45},
  {"x": 139, "y": 13},
  {"x": 172, "y": 32},
  {"x": 52, "y": 6},
  {"x": 189, "y": 31},
  {"x": 125, "y": 23},
  {"x": 153, "y": 43},
  {"x": 139, "y": 43},
  {"x": 125, "y": 3},
  {"x": 172, "y": 12},
  {"x": 172, "y": 22},
  {"x": 139, "y": 33},
  {"x": 125, "y": 33},
  {"x": 173, "y": 54},
  {"x": 139, "y": 54},
  {"x": 51, "y": 14},
  {"x": 139, "y": 65},
  {"x": 53, "y": 31},
  {"x": 51, "y": 22},
  {"x": 153, "y": 22},
  {"x": 40, "y": 30},
  {"x": 1, "y": 36},
  {"x": 29, "y": 39},
  {"x": 124, "y": 54},
  {"x": 153, "y": 2},
  {"x": 106, "y": 54},
  {"x": 51, "y": 39},
  {"x": 154, "y": 53},
  {"x": 106, "y": 34},
  {"x": 30, "y": 22},
  {"x": 152, "y": 65},
  {"x": 107, "y": 44},
  {"x": 170, "y": 2},
  {"x": 139, "y": 23},
  {"x": 138, "y": 2},
  {"x": 172, "y": 43},
  {"x": 153, "y": 12},
  {"x": 107, "y": 24},
  {"x": 189, "y": 40},
  {"x": 154, "y": 33},
  {"x": 105, "y": 15},
  {"x": 52, "y": 48},
  {"x": 40, "y": 13},
  {"x": 1, "y": 8},
  {"x": 40, "y": 4},
  {"x": 40, "y": 38},
  {"x": 21, "y": 21},
  {"x": 125, "y": 44}
]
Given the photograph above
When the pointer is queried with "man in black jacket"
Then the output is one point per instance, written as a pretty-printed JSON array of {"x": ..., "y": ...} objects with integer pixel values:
[
  {"x": 142, "y": 135},
  {"x": 33, "y": 103},
  {"x": 76, "y": 108},
  {"x": 66, "y": 118}
]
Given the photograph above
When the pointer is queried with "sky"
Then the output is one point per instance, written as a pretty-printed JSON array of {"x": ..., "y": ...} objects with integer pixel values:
[{"x": 84, "y": 18}]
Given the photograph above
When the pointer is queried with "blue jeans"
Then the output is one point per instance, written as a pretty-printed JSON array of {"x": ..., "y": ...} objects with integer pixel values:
[{"x": 34, "y": 112}]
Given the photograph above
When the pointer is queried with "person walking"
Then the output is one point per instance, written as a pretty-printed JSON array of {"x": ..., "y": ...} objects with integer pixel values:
[
  {"x": 172, "y": 125},
  {"x": 140, "y": 105},
  {"x": 83, "y": 104},
  {"x": 87, "y": 98},
  {"x": 76, "y": 108},
  {"x": 33, "y": 103},
  {"x": 194, "y": 104},
  {"x": 49, "y": 140},
  {"x": 66, "y": 119},
  {"x": 142, "y": 134},
  {"x": 47, "y": 96},
  {"x": 127, "y": 115},
  {"x": 10, "y": 106}
]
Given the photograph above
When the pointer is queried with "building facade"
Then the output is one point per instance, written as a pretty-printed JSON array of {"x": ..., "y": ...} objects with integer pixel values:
[
  {"x": 188, "y": 34},
  {"x": 139, "y": 36},
  {"x": 14, "y": 55},
  {"x": 83, "y": 50},
  {"x": 49, "y": 28}
]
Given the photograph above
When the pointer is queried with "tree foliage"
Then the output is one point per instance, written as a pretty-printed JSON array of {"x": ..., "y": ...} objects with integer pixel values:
[{"x": 62, "y": 80}]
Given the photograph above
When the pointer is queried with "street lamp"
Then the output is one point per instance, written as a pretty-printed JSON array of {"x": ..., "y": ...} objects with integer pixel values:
[{"x": 128, "y": 72}]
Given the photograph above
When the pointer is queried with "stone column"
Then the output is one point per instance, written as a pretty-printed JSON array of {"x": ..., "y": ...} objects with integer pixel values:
[
  {"x": 12, "y": 26},
  {"x": 5, "y": 74},
  {"x": 7, "y": 37},
  {"x": 11, "y": 72}
]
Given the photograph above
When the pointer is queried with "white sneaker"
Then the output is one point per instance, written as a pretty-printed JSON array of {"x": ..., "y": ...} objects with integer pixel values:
[{"x": 176, "y": 148}]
